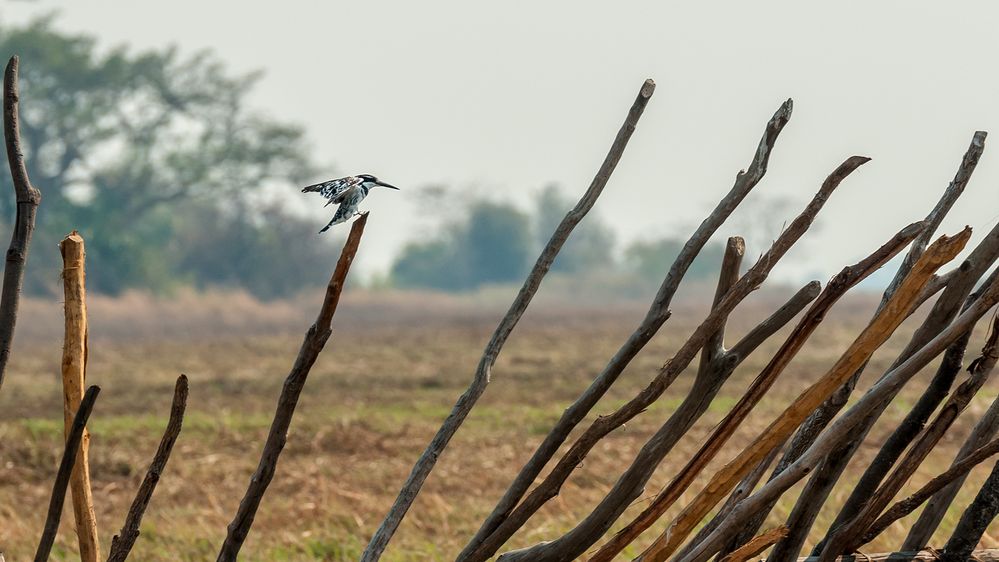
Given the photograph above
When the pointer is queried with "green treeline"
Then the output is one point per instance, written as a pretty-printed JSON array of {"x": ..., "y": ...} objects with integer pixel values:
[{"x": 173, "y": 180}]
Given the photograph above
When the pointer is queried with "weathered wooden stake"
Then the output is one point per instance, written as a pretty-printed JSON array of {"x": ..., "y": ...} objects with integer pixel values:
[{"x": 74, "y": 377}]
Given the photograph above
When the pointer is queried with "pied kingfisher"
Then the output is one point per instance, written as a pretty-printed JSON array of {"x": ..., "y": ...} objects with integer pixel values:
[{"x": 348, "y": 192}]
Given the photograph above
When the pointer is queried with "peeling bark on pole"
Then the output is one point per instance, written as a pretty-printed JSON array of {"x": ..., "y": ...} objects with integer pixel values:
[{"x": 74, "y": 379}]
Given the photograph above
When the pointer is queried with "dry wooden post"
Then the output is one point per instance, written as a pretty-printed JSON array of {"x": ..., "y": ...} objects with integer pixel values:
[
  {"x": 28, "y": 199},
  {"x": 74, "y": 379}
]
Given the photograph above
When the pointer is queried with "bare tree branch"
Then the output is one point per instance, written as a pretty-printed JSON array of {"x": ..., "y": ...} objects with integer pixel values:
[
  {"x": 904, "y": 507},
  {"x": 974, "y": 521},
  {"x": 28, "y": 199},
  {"x": 62, "y": 477},
  {"x": 931, "y": 516},
  {"x": 315, "y": 340},
  {"x": 835, "y": 289},
  {"x": 845, "y": 538},
  {"x": 820, "y": 485},
  {"x": 884, "y": 389},
  {"x": 425, "y": 464},
  {"x": 655, "y": 317},
  {"x": 630, "y": 485},
  {"x": 122, "y": 543}
]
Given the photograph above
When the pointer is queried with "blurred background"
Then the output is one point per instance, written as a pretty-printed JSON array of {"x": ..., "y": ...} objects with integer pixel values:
[{"x": 174, "y": 136}]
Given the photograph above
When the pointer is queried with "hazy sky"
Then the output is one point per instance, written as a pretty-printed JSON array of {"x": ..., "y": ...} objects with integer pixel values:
[{"x": 508, "y": 96}]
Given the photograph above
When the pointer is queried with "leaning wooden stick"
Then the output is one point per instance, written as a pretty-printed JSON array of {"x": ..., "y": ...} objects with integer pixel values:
[
  {"x": 834, "y": 290},
  {"x": 122, "y": 543},
  {"x": 62, "y": 477},
  {"x": 425, "y": 464},
  {"x": 876, "y": 333},
  {"x": 315, "y": 340},
  {"x": 839, "y": 430},
  {"x": 904, "y": 507},
  {"x": 28, "y": 199},
  {"x": 656, "y": 316},
  {"x": 74, "y": 380},
  {"x": 846, "y": 538}
]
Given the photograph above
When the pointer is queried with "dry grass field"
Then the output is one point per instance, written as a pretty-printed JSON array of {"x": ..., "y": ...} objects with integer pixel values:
[{"x": 389, "y": 375}]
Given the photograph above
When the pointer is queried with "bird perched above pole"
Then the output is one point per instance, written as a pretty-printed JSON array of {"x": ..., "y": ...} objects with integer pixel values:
[{"x": 347, "y": 192}]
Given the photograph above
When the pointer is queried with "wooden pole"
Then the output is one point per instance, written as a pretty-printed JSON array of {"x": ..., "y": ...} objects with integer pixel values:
[{"x": 74, "y": 375}]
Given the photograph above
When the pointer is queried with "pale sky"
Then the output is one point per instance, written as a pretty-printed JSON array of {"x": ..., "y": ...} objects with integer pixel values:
[{"x": 508, "y": 96}]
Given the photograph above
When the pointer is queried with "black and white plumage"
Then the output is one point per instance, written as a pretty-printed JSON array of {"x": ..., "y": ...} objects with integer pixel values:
[{"x": 347, "y": 192}]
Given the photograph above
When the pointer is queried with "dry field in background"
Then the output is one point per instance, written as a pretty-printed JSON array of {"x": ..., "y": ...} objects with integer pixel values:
[{"x": 390, "y": 374}]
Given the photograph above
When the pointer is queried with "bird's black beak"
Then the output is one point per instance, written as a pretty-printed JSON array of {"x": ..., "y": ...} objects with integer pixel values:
[{"x": 388, "y": 185}]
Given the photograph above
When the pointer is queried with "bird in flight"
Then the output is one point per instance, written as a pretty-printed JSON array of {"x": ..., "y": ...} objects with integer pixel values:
[{"x": 347, "y": 192}]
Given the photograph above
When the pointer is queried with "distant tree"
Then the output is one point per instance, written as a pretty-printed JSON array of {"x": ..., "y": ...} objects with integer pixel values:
[
  {"x": 590, "y": 248},
  {"x": 118, "y": 140},
  {"x": 496, "y": 244},
  {"x": 650, "y": 259},
  {"x": 491, "y": 244}
]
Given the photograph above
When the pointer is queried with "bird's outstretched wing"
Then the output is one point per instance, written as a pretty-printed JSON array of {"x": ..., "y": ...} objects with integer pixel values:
[
  {"x": 349, "y": 201},
  {"x": 333, "y": 190}
]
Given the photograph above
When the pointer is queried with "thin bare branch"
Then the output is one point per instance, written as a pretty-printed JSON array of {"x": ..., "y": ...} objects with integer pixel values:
[
  {"x": 835, "y": 289},
  {"x": 62, "y": 477},
  {"x": 958, "y": 470},
  {"x": 630, "y": 485},
  {"x": 931, "y": 516},
  {"x": 425, "y": 464},
  {"x": 657, "y": 314},
  {"x": 122, "y": 543},
  {"x": 315, "y": 340},
  {"x": 974, "y": 521},
  {"x": 28, "y": 199}
]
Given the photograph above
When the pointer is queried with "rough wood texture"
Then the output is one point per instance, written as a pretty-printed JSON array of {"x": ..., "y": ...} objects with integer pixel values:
[
  {"x": 819, "y": 486},
  {"x": 904, "y": 507},
  {"x": 657, "y": 314},
  {"x": 988, "y": 555},
  {"x": 74, "y": 380},
  {"x": 62, "y": 477},
  {"x": 929, "y": 519},
  {"x": 835, "y": 289},
  {"x": 939, "y": 317},
  {"x": 847, "y": 537},
  {"x": 834, "y": 435},
  {"x": 122, "y": 543},
  {"x": 974, "y": 521},
  {"x": 425, "y": 464},
  {"x": 756, "y": 545},
  {"x": 631, "y": 483},
  {"x": 315, "y": 340},
  {"x": 875, "y": 334},
  {"x": 28, "y": 199}
]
